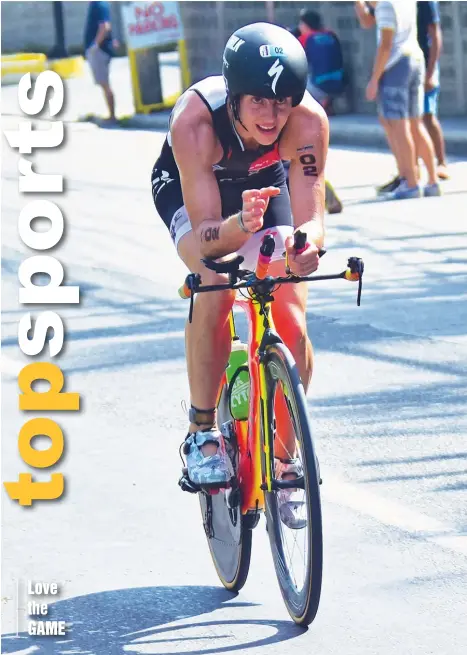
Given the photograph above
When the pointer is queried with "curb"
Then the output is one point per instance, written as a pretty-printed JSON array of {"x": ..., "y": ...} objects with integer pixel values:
[
  {"x": 159, "y": 121},
  {"x": 16, "y": 65},
  {"x": 372, "y": 136},
  {"x": 349, "y": 133}
]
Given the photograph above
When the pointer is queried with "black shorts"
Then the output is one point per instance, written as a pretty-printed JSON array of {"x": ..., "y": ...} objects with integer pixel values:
[{"x": 168, "y": 199}]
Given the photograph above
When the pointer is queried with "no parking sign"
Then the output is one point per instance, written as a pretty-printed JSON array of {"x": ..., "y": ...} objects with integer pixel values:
[
  {"x": 149, "y": 24},
  {"x": 151, "y": 28}
]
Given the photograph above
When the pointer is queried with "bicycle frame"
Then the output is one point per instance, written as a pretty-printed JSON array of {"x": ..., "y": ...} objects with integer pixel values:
[
  {"x": 253, "y": 480},
  {"x": 250, "y": 475}
]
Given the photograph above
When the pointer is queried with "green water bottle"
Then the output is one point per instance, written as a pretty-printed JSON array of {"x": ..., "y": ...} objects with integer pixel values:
[{"x": 239, "y": 393}]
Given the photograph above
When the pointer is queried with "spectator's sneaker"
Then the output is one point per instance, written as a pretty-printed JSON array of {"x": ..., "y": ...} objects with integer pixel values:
[
  {"x": 442, "y": 171},
  {"x": 333, "y": 204},
  {"x": 404, "y": 192},
  {"x": 432, "y": 190},
  {"x": 292, "y": 506},
  {"x": 207, "y": 471},
  {"x": 390, "y": 186}
]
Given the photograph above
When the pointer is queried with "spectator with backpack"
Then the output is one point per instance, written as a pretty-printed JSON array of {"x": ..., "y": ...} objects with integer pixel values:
[
  {"x": 324, "y": 69},
  {"x": 324, "y": 54}
]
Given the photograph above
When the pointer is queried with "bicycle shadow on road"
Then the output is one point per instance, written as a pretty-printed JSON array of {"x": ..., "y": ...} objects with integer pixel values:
[{"x": 135, "y": 621}]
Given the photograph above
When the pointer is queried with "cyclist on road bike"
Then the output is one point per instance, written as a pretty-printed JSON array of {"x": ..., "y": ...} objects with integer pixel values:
[{"x": 219, "y": 185}]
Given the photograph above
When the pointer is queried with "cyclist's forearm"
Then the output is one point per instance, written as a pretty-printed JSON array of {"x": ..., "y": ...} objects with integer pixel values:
[
  {"x": 221, "y": 238},
  {"x": 314, "y": 230}
]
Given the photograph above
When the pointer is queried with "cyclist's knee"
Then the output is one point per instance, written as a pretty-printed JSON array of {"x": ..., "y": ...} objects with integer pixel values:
[
  {"x": 216, "y": 305},
  {"x": 290, "y": 318}
]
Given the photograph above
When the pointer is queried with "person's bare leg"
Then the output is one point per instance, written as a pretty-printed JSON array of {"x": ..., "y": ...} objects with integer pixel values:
[
  {"x": 391, "y": 141},
  {"x": 402, "y": 134},
  {"x": 435, "y": 131},
  {"x": 289, "y": 314},
  {"x": 207, "y": 338},
  {"x": 424, "y": 147},
  {"x": 110, "y": 100}
]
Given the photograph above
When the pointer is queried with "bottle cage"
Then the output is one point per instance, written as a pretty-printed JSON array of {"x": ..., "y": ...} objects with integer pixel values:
[{"x": 239, "y": 370}]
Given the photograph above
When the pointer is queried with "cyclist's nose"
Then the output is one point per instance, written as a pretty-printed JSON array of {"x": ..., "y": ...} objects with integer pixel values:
[{"x": 269, "y": 112}]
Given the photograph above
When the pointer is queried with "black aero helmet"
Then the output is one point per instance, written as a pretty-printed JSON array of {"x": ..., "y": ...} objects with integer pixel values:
[{"x": 264, "y": 60}]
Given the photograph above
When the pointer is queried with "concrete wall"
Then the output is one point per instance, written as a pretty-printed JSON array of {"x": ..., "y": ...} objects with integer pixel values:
[
  {"x": 208, "y": 25},
  {"x": 29, "y": 26}
]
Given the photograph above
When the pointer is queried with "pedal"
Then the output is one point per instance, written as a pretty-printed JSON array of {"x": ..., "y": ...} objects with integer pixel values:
[
  {"x": 186, "y": 484},
  {"x": 233, "y": 496}
]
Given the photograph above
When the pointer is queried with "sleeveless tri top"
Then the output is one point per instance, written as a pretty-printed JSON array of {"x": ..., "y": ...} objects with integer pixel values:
[{"x": 237, "y": 164}]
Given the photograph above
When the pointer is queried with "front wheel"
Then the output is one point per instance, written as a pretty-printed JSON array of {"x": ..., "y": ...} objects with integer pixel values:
[{"x": 297, "y": 552}]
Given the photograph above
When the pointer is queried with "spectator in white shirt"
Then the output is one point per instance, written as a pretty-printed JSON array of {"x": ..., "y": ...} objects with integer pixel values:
[{"x": 397, "y": 82}]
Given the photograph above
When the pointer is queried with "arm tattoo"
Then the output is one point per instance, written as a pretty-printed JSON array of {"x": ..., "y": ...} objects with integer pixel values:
[
  {"x": 210, "y": 234},
  {"x": 308, "y": 162}
]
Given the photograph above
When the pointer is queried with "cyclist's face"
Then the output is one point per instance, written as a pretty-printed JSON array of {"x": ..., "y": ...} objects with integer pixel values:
[{"x": 264, "y": 118}]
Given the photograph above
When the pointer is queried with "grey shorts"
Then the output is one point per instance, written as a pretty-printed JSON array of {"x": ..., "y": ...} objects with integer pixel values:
[
  {"x": 99, "y": 61},
  {"x": 401, "y": 89}
]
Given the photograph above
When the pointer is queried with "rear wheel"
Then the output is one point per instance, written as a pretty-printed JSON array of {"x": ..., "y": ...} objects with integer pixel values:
[
  {"x": 297, "y": 553},
  {"x": 229, "y": 533}
]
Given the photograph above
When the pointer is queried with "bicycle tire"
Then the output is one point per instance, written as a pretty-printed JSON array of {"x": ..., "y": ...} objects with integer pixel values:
[
  {"x": 231, "y": 538},
  {"x": 302, "y": 605}
]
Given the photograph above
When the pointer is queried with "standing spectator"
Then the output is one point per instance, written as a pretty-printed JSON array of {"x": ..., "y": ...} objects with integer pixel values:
[
  {"x": 430, "y": 40},
  {"x": 397, "y": 82},
  {"x": 98, "y": 46},
  {"x": 324, "y": 55}
]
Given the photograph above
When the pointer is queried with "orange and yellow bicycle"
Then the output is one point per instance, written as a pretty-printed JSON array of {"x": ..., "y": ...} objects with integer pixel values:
[{"x": 253, "y": 443}]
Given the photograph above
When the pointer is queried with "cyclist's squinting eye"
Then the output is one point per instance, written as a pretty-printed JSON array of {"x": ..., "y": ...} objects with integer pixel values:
[
  {"x": 257, "y": 100},
  {"x": 281, "y": 101}
]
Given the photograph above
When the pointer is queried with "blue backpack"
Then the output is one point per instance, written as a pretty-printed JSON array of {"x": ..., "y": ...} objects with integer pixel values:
[{"x": 324, "y": 54}]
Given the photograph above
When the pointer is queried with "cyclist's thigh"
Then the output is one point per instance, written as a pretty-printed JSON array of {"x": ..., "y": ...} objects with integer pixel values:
[
  {"x": 168, "y": 199},
  {"x": 288, "y": 298},
  {"x": 278, "y": 222}
]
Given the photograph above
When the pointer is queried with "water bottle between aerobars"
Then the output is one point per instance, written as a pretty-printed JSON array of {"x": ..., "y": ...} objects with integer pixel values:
[{"x": 239, "y": 393}]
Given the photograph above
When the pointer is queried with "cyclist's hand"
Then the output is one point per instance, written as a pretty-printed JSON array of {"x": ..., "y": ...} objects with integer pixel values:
[
  {"x": 255, "y": 203},
  {"x": 304, "y": 263}
]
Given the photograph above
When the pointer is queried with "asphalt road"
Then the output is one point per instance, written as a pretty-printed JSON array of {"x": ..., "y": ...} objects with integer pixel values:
[{"x": 388, "y": 404}]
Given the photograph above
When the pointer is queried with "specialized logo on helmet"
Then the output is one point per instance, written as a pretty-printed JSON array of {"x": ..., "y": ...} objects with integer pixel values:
[
  {"x": 271, "y": 51},
  {"x": 234, "y": 43},
  {"x": 275, "y": 71}
]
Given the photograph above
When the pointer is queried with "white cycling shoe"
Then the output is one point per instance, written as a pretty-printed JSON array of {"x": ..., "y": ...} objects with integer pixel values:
[{"x": 292, "y": 506}]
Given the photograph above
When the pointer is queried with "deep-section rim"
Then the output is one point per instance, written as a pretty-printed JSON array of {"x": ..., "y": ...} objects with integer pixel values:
[{"x": 302, "y": 606}]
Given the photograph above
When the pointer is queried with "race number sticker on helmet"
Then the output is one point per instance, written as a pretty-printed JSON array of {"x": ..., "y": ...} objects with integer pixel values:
[
  {"x": 275, "y": 72},
  {"x": 271, "y": 51}
]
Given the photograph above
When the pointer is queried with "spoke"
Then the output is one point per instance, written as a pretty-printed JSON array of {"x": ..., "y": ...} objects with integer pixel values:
[
  {"x": 300, "y": 551},
  {"x": 284, "y": 540},
  {"x": 290, "y": 455}
]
